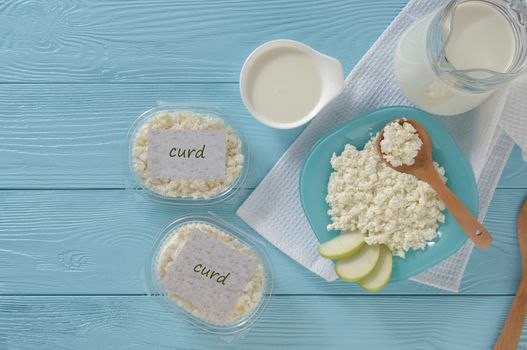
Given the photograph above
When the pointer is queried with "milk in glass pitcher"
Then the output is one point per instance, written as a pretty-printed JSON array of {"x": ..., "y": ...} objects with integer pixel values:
[{"x": 453, "y": 59}]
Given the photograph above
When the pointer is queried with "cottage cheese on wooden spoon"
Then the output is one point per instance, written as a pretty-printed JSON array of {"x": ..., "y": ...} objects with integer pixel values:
[{"x": 400, "y": 143}]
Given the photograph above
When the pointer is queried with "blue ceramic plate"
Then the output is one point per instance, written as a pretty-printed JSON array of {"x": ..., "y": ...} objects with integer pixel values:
[{"x": 317, "y": 168}]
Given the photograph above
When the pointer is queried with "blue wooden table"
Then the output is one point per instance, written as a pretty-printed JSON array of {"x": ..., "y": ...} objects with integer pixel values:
[{"x": 74, "y": 75}]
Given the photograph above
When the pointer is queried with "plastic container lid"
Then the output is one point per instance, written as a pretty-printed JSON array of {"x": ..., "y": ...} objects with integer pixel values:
[
  {"x": 211, "y": 273},
  {"x": 194, "y": 187}
]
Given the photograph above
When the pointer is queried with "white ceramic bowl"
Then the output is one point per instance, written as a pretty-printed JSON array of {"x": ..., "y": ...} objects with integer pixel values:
[{"x": 330, "y": 69}]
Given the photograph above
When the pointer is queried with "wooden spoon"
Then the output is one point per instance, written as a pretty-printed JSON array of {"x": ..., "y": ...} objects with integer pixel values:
[
  {"x": 512, "y": 329},
  {"x": 424, "y": 170}
]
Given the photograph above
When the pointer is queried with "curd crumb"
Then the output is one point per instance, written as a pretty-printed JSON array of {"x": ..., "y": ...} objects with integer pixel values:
[{"x": 400, "y": 143}]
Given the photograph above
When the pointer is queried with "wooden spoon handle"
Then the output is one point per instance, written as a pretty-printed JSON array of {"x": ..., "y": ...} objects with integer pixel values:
[
  {"x": 472, "y": 227},
  {"x": 512, "y": 329}
]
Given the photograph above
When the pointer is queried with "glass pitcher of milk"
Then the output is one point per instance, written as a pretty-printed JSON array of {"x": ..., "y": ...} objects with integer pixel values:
[{"x": 453, "y": 59}]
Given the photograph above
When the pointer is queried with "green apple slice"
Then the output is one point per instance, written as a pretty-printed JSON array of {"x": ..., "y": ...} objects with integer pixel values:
[
  {"x": 342, "y": 246},
  {"x": 381, "y": 274},
  {"x": 358, "y": 266}
]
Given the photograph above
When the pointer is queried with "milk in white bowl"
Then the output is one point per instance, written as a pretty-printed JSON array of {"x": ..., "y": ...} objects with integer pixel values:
[
  {"x": 478, "y": 45},
  {"x": 285, "y": 83}
]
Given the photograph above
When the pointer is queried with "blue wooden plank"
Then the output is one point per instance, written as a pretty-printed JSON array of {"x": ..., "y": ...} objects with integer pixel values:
[
  {"x": 72, "y": 136},
  {"x": 292, "y": 322},
  {"x": 96, "y": 242},
  {"x": 173, "y": 41}
]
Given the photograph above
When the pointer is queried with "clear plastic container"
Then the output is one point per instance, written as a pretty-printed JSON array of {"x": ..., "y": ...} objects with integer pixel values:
[
  {"x": 256, "y": 293},
  {"x": 156, "y": 188}
]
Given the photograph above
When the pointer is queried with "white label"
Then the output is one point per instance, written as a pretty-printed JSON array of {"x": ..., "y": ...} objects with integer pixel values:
[
  {"x": 209, "y": 274},
  {"x": 187, "y": 154}
]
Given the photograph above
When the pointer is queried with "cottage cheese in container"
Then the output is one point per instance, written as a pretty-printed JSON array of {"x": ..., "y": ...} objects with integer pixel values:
[
  {"x": 210, "y": 273},
  {"x": 186, "y": 153}
]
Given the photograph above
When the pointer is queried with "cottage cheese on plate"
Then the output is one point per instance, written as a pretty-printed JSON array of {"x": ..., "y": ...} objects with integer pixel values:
[
  {"x": 189, "y": 188},
  {"x": 253, "y": 291},
  {"x": 392, "y": 208},
  {"x": 400, "y": 143}
]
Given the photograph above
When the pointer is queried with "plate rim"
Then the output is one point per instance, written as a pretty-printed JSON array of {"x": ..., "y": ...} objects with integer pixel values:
[{"x": 401, "y": 109}]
